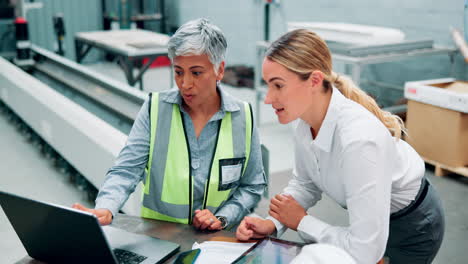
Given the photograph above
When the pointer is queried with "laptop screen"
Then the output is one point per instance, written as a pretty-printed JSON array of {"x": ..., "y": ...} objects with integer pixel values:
[{"x": 57, "y": 234}]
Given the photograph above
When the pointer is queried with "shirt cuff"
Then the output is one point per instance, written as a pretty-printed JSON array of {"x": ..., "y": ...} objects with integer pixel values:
[
  {"x": 108, "y": 204},
  {"x": 280, "y": 228},
  {"x": 311, "y": 229}
]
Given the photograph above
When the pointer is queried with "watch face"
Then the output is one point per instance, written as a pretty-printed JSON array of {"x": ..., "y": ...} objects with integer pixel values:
[{"x": 223, "y": 221}]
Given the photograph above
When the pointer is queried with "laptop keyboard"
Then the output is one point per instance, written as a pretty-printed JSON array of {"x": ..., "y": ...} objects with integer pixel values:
[{"x": 128, "y": 257}]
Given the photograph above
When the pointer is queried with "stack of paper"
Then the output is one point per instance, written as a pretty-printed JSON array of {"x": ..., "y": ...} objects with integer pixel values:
[{"x": 220, "y": 252}]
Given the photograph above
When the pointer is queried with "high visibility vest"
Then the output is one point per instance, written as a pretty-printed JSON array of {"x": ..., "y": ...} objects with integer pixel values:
[{"x": 168, "y": 185}]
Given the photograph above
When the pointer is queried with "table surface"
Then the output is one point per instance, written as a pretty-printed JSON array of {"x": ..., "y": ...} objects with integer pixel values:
[
  {"x": 184, "y": 235},
  {"x": 127, "y": 42}
]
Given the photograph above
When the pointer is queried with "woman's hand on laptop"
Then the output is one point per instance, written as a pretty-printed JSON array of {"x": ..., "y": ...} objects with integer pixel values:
[{"x": 104, "y": 215}]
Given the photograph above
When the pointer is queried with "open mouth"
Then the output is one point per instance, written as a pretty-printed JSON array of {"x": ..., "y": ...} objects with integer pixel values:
[
  {"x": 188, "y": 96},
  {"x": 279, "y": 110}
]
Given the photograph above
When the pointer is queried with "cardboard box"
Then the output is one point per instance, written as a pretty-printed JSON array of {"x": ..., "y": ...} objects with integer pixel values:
[
  {"x": 446, "y": 93},
  {"x": 438, "y": 133}
]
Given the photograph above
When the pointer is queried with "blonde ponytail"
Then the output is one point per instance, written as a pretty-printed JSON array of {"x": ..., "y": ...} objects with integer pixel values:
[
  {"x": 347, "y": 87},
  {"x": 302, "y": 51}
]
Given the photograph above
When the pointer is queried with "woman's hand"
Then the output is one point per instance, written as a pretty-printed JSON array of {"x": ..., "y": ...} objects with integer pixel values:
[
  {"x": 287, "y": 210},
  {"x": 253, "y": 227},
  {"x": 204, "y": 219},
  {"x": 104, "y": 215}
]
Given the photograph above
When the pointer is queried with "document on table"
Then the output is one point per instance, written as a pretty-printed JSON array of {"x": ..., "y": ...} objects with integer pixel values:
[{"x": 219, "y": 251}]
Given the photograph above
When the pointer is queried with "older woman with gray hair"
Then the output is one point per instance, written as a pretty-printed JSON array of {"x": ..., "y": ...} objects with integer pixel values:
[{"x": 195, "y": 148}]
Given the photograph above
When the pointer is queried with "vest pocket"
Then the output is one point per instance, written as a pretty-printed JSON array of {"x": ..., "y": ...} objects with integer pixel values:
[{"x": 230, "y": 172}]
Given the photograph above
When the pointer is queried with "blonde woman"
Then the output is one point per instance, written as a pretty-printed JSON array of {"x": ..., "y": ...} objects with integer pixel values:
[{"x": 347, "y": 147}]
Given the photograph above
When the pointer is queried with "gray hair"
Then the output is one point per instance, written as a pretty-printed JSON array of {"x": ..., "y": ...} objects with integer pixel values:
[{"x": 198, "y": 37}]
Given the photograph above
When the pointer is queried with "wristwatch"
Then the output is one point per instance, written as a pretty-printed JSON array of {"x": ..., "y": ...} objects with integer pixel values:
[{"x": 223, "y": 221}]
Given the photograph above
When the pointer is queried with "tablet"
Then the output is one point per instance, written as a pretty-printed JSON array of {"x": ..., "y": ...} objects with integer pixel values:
[
  {"x": 270, "y": 250},
  {"x": 187, "y": 257}
]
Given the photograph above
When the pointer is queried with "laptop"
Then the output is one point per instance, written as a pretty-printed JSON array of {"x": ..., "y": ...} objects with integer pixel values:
[{"x": 57, "y": 234}]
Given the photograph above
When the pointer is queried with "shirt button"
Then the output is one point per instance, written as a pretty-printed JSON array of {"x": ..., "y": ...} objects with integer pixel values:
[{"x": 195, "y": 164}]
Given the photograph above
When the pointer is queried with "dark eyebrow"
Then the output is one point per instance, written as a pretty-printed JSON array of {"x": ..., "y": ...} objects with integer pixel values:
[
  {"x": 275, "y": 78},
  {"x": 196, "y": 66},
  {"x": 191, "y": 68}
]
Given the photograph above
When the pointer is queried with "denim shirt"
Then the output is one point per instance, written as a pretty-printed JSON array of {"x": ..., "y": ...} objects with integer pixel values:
[{"x": 129, "y": 168}]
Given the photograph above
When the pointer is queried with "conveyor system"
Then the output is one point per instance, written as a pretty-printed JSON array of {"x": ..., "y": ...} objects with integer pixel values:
[{"x": 84, "y": 116}]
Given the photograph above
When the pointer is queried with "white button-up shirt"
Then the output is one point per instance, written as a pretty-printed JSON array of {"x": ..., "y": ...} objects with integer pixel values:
[{"x": 354, "y": 160}]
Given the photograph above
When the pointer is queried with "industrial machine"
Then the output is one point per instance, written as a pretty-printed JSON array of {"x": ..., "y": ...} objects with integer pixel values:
[
  {"x": 362, "y": 40},
  {"x": 78, "y": 118},
  {"x": 7, "y": 30},
  {"x": 14, "y": 35}
]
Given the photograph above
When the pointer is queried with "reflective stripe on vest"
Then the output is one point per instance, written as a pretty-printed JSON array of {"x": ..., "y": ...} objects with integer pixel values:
[{"x": 168, "y": 186}]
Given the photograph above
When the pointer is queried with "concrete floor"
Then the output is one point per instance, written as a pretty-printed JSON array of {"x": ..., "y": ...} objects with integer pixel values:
[{"x": 27, "y": 172}]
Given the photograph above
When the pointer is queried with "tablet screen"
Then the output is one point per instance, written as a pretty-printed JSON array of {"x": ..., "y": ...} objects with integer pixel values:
[
  {"x": 187, "y": 257},
  {"x": 270, "y": 250}
]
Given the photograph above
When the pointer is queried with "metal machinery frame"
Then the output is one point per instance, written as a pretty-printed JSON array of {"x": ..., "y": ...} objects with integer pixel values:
[
  {"x": 354, "y": 66},
  {"x": 138, "y": 18}
]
